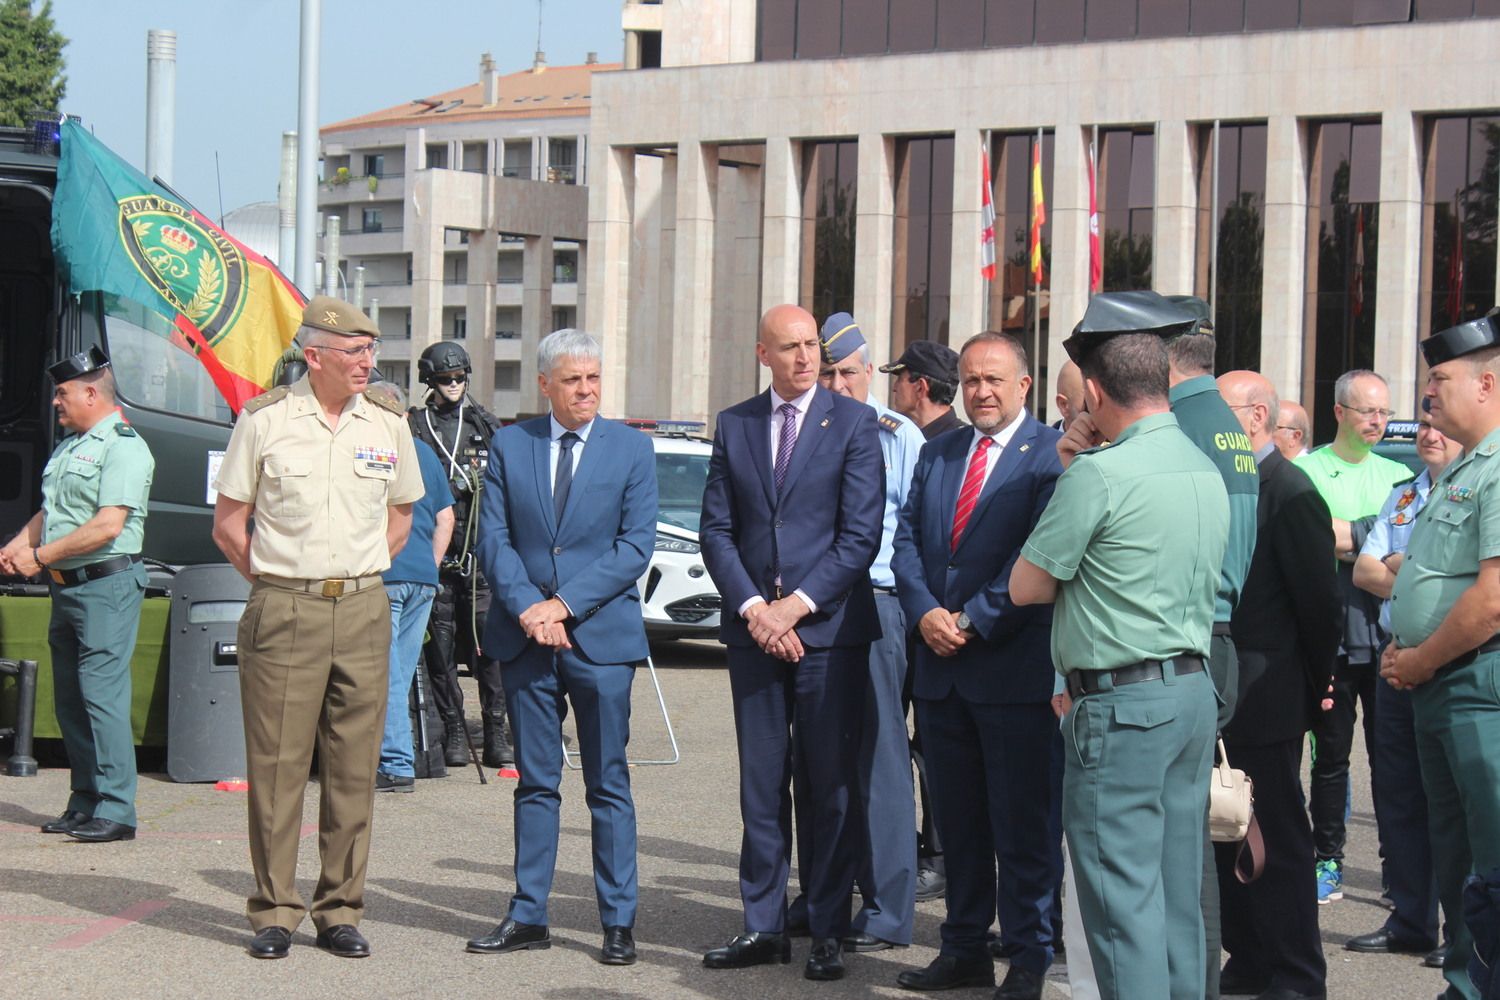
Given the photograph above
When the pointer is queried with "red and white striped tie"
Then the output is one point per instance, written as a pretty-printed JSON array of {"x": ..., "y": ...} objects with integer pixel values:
[{"x": 973, "y": 483}]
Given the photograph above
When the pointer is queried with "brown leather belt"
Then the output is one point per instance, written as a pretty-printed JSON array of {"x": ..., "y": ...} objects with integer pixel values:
[
  {"x": 93, "y": 571},
  {"x": 323, "y": 588},
  {"x": 1082, "y": 682}
]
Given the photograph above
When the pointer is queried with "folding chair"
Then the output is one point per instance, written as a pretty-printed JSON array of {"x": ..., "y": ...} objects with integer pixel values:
[{"x": 574, "y": 762}]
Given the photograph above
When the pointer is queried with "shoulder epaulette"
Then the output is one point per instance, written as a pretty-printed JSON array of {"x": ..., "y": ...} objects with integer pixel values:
[
  {"x": 889, "y": 422},
  {"x": 1405, "y": 482},
  {"x": 265, "y": 399},
  {"x": 125, "y": 430},
  {"x": 385, "y": 402}
]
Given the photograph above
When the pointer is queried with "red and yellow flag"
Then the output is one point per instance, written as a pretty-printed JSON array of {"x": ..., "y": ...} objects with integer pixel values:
[
  {"x": 115, "y": 231},
  {"x": 1038, "y": 214}
]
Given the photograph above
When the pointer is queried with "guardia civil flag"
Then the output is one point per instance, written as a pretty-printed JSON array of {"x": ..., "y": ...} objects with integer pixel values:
[{"x": 115, "y": 231}]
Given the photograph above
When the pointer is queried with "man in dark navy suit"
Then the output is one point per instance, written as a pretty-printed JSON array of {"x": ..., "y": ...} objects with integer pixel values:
[
  {"x": 984, "y": 674},
  {"x": 791, "y": 525},
  {"x": 566, "y": 528}
]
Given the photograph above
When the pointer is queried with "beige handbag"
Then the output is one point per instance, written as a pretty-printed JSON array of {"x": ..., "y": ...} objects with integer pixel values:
[{"x": 1231, "y": 816}]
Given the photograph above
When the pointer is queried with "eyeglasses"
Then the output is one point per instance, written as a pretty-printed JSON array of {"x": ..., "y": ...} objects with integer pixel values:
[
  {"x": 1241, "y": 406},
  {"x": 1288, "y": 427},
  {"x": 1370, "y": 411},
  {"x": 352, "y": 352},
  {"x": 449, "y": 379}
]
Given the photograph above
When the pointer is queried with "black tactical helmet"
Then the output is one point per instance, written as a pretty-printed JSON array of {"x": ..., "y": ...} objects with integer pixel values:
[
  {"x": 289, "y": 367},
  {"x": 444, "y": 356}
]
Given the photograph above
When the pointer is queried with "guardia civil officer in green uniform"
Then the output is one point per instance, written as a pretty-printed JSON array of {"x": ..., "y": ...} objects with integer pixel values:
[
  {"x": 1213, "y": 427},
  {"x": 1130, "y": 548},
  {"x": 1445, "y": 616},
  {"x": 87, "y": 537},
  {"x": 329, "y": 475}
]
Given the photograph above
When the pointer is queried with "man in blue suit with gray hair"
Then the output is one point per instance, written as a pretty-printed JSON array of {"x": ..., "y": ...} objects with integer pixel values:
[{"x": 566, "y": 527}]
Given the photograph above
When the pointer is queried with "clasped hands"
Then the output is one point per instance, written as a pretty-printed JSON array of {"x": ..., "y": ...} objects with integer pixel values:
[
  {"x": 1404, "y": 667},
  {"x": 543, "y": 622},
  {"x": 939, "y": 628},
  {"x": 773, "y": 624},
  {"x": 16, "y": 558}
]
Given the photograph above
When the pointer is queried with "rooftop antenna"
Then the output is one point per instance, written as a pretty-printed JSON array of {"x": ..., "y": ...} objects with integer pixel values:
[{"x": 539, "y": 25}]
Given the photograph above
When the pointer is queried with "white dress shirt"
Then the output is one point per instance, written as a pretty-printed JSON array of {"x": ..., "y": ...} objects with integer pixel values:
[
  {"x": 802, "y": 403},
  {"x": 555, "y": 448},
  {"x": 999, "y": 441}
]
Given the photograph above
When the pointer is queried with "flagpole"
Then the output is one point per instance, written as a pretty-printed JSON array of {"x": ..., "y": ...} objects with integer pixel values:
[
  {"x": 1036, "y": 273},
  {"x": 984, "y": 309},
  {"x": 307, "y": 146}
]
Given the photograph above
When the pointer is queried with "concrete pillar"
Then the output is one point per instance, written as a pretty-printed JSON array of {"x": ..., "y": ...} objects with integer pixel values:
[
  {"x": 536, "y": 314},
  {"x": 580, "y": 158},
  {"x": 874, "y": 232},
  {"x": 539, "y": 153},
  {"x": 479, "y": 310},
  {"x": 967, "y": 289},
  {"x": 693, "y": 279},
  {"x": 611, "y": 208},
  {"x": 1285, "y": 257},
  {"x": 1068, "y": 291},
  {"x": 425, "y": 233},
  {"x": 1398, "y": 257},
  {"x": 1175, "y": 220},
  {"x": 781, "y": 249}
]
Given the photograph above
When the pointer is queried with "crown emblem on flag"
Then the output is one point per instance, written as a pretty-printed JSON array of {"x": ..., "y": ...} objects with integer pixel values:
[{"x": 178, "y": 239}]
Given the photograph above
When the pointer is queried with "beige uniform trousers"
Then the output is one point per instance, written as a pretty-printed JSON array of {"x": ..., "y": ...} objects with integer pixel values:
[{"x": 312, "y": 668}]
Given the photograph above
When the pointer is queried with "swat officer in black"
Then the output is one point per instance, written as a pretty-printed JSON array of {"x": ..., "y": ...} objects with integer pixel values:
[{"x": 459, "y": 430}]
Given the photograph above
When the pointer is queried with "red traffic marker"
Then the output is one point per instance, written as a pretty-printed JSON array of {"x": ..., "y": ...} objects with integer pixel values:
[
  {"x": 232, "y": 785},
  {"x": 508, "y": 772}
]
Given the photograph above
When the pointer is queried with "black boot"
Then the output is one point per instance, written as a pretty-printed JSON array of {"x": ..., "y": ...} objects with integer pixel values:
[
  {"x": 455, "y": 749},
  {"x": 497, "y": 749}
]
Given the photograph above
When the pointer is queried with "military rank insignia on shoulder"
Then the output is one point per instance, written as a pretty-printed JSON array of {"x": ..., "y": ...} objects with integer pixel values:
[
  {"x": 125, "y": 430},
  {"x": 385, "y": 402},
  {"x": 265, "y": 399},
  {"x": 889, "y": 422}
]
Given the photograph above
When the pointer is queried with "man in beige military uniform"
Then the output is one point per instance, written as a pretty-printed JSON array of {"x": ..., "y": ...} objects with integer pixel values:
[{"x": 329, "y": 476}]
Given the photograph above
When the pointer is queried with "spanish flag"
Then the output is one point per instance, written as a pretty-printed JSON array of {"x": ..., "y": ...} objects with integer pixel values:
[
  {"x": 115, "y": 231},
  {"x": 1038, "y": 214}
]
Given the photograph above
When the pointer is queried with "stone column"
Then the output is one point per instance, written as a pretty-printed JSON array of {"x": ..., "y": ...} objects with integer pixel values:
[
  {"x": 536, "y": 313},
  {"x": 781, "y": 251},
  {"x": 874, "y": 227},
  {"x": 1398, "y": 257},
  {"x": 425, "y": 235},
  {"x": 1068, "y": 288},
  {"x": 1285, "y": 257},
  {"x": 967, "y": 289},
  {"x": 1175, "y": 219},
  {"x": 611, "y": 208},
  {"x": 479, "y": 311},
  {"x": 693, "y": 280}
]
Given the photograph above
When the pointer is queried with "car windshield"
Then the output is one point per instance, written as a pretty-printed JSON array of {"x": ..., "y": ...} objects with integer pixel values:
[{"x": 679, "y": 481}]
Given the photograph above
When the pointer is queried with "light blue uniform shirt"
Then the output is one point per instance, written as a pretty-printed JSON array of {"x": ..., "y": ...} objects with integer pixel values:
[
  {"x": 1392, "y": 528},
  {"x": 899, "y": 443}
]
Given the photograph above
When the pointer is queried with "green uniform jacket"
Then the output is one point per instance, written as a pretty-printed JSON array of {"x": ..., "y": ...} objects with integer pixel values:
[{"x": 106, "y": 466}]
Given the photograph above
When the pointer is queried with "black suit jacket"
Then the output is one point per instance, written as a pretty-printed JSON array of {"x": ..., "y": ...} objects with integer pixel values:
[{"x": 1286, "y": 627}]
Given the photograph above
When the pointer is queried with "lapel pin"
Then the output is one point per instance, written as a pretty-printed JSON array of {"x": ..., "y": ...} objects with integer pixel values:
[
  {"x": 824, "y": 423},
  {"x": 1025, "y": 446}
]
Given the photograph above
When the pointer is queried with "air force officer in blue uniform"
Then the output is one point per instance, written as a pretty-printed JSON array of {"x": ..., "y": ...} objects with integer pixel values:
[
  {"x": 984, "y": 675},
  {"x": 791, "y": 524},
  {"x": 567, "y": 525}
]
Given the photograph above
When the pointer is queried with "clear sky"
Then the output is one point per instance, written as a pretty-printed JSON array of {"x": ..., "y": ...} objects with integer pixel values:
[{"x": 237, "y": 69}]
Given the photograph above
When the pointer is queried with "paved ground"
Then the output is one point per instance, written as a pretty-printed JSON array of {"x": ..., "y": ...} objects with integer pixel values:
[{"x": 163, "y": 916}]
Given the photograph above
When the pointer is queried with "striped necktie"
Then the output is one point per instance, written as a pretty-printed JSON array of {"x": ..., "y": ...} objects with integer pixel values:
[
  {"x": 787, "y": 442},
  {"x": 973, "y": 483}
]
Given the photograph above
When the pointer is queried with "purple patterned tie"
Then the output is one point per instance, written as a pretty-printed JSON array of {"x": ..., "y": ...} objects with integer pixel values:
[{"x": 787, "y": 443}]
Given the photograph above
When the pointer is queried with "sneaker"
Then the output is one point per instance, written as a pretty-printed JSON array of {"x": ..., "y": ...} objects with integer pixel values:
[
  {"x": 1330, "y": 881},
  {"x": 394, "y": 782}
]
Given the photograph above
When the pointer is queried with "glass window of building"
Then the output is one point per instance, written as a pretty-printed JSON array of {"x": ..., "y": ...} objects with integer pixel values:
[
  {"x": 1059, "y": 22},
  {"x": 1110, "y": 19},
  {"x": 1442, "y": 10},
  {"x": 1215, "y": 17},
  {"x": 1459, "y": 185},
  {"x": 776, "y": 22},
  {"x": 1162, "y": 18},
  {"x": 922, "y": 244},
  {"x": 437, "y": 156},
  {"x": 960, "y": 24},
  {"x": 830, "y": 172},
  {"x": 913, "y": 25},
  {"x": 1272, "y": 15},
  {"x": 1126, "y": 195},
  {"x": 374, "y": 165},
  {"x": 1328, "y": 14},
  {"x": 1231, "y": 238},
  {"x": 818, "y": 34},
  {"x": 1016, "y": 304},
  {"x": 1009, "y": 22},
  {"x": 1343, "y": 230},
  {"x": 864, "y": 28}
]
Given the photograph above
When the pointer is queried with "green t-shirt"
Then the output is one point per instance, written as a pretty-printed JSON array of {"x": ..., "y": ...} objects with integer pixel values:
[
  {"x": 1352, "y": 490},
  {"x": 108, "y": 465},
  {"x": 1457, "y": 529},
  {"x": 1135, "y": 534}
]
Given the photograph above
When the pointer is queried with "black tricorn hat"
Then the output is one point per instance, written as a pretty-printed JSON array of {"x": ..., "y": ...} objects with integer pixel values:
[
  {"x": 1466, "y": 338},
  {"x": 1111, "y": 314},
  {"x": 78, "y": 364}
]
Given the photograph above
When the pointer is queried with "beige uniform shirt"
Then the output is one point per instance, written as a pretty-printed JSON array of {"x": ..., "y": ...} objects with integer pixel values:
[{"x": 320, "y": 493}]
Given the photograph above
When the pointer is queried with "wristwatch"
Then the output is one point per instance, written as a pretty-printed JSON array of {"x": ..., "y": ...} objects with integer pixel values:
[{"x": 964, "y": 623}]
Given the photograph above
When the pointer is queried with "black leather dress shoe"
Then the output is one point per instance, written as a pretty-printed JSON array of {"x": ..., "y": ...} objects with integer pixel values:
[
  {"x": 754, "y": 948},
  {"x": 1383, "y": 942},
  {"x": 101, "y": 831},
  {"x": 72, "y": 819},
  {"x": 826, "y": 963},
  {"x": 859, "y": 941},
  {"x": 948, "y": 973},
  {"x": 1239, "y": 984},
  {"x": 344, "y": 940},
  {"x": 1020, "y": 985},
  {"x": 619, "y": 946},
  {"x": 512, "y": 935},
  {"x": 271, "y": 942},
  {"x": 1286, "y": 993},
  {"x": 1436, "y": 957}
]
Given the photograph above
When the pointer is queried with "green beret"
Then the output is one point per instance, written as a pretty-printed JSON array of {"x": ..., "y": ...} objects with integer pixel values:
[{"x": 325, "y": 312}]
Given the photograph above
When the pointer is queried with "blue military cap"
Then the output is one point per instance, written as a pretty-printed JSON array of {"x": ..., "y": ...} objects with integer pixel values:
[
  {"x": 78, "y": 364},
  {"x": 841, "y": 337}
]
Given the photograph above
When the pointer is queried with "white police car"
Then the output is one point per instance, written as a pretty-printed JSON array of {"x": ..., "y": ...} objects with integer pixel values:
[{"x": 678, "y": 599}]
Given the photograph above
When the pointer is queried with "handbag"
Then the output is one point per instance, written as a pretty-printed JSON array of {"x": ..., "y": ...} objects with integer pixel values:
[{"x": 1231, "y": 816}]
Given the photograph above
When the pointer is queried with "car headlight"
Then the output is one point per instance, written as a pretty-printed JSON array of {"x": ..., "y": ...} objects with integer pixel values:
[{"x": 671, "y": 543}]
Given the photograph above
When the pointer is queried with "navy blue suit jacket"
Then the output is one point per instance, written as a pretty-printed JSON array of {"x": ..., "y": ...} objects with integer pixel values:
[
  {"x": 824, "y": 531},
  {"x": 591, "y": 559},
  {"x": 1009, "y": 660}
]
